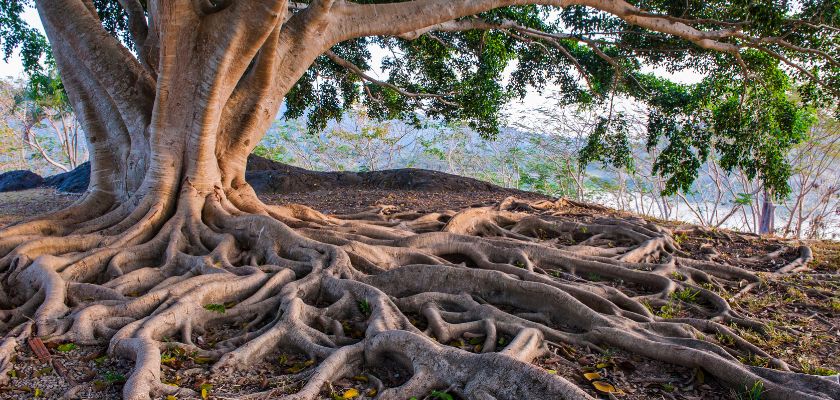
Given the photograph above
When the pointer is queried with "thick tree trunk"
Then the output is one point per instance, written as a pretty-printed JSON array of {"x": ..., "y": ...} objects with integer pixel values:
[{"x": 169, "y": 226}]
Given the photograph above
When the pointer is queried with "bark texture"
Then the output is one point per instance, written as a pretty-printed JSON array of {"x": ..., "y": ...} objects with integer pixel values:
[{"x": 169, "y": 225}]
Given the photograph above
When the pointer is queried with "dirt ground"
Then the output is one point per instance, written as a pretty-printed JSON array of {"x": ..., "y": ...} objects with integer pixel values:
[{"x": 803, "y": 311}]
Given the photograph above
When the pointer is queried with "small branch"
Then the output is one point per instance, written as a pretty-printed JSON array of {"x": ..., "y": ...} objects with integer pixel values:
[
  {"x": 137, "y": 24},
  {"x": 358, "y": 71}
]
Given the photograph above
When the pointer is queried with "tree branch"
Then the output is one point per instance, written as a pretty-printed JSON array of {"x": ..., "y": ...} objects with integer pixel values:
[
  {"x": 113, "y": 67},
  {"x": 394, "y": 19}
]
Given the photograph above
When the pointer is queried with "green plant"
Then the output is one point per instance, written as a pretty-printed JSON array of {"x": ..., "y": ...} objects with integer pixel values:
[
  {"x": 688, "y": 295},
  {"x": 219, "y": 308},
  {"x": 835, "y": 304},
  {"x": 436, "y": 394},
  {"x": 755, "y": 360},
  {"x": 670, "y": 310},
  {"x": 112, "y": 377},
  {"x": 753, "y": 392},
  {"x": 725, "y": 339},
  {"x": 811, "y": 369},
  {"x": 364, "y": 307}
]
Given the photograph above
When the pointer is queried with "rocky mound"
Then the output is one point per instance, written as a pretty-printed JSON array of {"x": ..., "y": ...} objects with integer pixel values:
[
  {"x": 75, "y": 181},
  {"x": 19, "y": 180},
  {"x": 268, "y": 176}
]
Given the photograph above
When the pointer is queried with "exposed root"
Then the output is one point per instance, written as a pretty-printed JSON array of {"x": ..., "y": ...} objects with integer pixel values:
[{"x": 378, "y": 290}]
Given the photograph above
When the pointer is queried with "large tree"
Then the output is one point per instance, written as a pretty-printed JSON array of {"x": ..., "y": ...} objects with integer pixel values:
[{"x": 173, "y": 96}]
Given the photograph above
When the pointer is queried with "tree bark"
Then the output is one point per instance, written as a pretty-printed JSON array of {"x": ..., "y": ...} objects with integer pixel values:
[{"x": 768, "y": 215}]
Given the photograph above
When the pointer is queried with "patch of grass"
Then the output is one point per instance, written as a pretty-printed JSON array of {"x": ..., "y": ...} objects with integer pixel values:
[
  {"x": 680, "y": 238},
  {"x": 755, "y": 360},
  {"x": 688, "y": 295},
  {"x": 725, "y": 339},
  {"x": 594, "y": 277},
  {"x": 219, "y": 308},
  {"x": 753, "y": 392},
  {"x": 834, "y": 304},
  {"x": 811, "y": 369},
  {"x": 677, "y": 276},
  {"x": 794, "y": 295},
  {"x": 112, "y": 377},
  {"x": 670, "y": 310},
  {"x": 364, "y": 307}
]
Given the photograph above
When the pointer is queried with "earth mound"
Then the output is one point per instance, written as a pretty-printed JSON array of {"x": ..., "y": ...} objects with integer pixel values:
[{"x": 267, "y": 176}]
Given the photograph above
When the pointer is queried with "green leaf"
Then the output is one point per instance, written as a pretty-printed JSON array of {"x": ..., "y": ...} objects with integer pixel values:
[{"x": 67, "y": 347}]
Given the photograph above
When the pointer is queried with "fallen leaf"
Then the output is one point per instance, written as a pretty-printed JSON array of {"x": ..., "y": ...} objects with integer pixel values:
[
  {"x": 591, "y": 376},
  {"x": 67, "y": 347},
  {"x": 202, "y": 360},
  {"x": 350, "y": 394},
  {"x": 205, "y": 390},
  {"x": 605, "y": 387}
]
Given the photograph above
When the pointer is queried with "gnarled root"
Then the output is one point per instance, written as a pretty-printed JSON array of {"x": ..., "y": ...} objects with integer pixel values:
[{"x": 378, "y": 290}]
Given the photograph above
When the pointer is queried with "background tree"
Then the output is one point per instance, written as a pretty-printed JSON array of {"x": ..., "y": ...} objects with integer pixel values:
[
  {"x": 43, "y": 104},
  {"x": 174, "y": 95}
]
